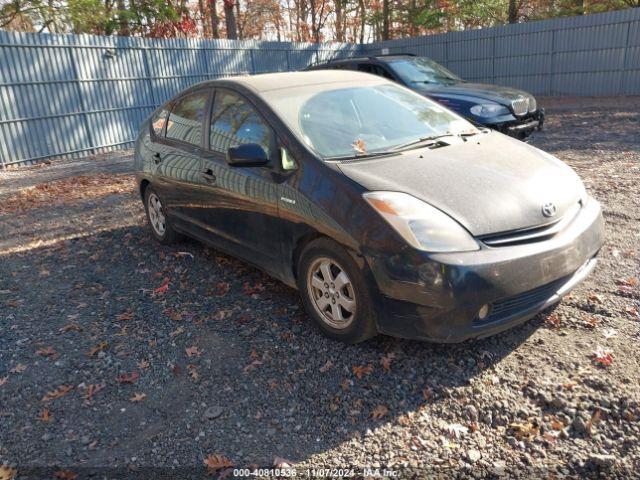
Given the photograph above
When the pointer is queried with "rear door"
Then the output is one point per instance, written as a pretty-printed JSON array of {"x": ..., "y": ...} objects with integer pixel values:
[
  {"x": 240, "y": 204},
  {"x": 178, "y": 155}
]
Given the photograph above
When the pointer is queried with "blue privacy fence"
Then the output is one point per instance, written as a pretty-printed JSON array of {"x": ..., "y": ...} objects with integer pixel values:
[
  {"x": 73, "y": 95},
  {"x": 585, "y": 55}
]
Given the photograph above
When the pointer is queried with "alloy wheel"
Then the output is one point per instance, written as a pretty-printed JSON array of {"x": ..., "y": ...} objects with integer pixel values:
[
  {"x": 156, "y": 215},
  {"x": 332, "y": 293}
]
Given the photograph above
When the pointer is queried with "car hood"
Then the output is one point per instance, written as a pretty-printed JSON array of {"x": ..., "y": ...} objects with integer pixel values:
[
  {"x": 489, "y": 184},
  {"x": 494, "y": 93}
]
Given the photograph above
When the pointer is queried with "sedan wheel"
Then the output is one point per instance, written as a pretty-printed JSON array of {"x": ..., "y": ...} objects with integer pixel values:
[
  {"x": 332, "y": 293},
  {"x": 156, "y": 216},
  {"x": 158, "y": 220},
  {"x": 335, "y": 291}
]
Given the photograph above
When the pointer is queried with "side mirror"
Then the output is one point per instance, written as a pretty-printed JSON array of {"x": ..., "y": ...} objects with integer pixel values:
[{"x": 247, "y": 155}]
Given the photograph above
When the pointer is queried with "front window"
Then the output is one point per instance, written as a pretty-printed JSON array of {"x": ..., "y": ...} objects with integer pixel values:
[
  {"x": 234, "y": 122},
  {"x": 422, "y": 70},
  {"x": 352, "y": 121}
]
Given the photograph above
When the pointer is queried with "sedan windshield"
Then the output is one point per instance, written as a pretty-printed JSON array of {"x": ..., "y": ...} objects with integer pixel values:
[
  {"x": 423, "y": 70},
  {"x": 357, "y": 121}
]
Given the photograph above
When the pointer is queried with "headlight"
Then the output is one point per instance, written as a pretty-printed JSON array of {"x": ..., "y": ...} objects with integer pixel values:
[
  {"x": 489, "y": 110},
  {"x": 421, "y": 225}
]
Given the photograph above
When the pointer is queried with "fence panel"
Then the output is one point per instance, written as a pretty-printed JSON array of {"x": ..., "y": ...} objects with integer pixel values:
[
  {"x": 587, "y": 55},
  {"x": 68, "y": 95}
]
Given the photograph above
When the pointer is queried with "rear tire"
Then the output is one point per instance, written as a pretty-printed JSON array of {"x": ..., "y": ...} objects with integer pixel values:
[
  {"x": 159, "y": 223},
  {"x": 335, "y": 293}
]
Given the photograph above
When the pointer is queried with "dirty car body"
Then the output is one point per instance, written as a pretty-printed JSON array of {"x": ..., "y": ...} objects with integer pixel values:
[
  {"x": 508, "y": 110},
  {"x": 457, "y": 232}
]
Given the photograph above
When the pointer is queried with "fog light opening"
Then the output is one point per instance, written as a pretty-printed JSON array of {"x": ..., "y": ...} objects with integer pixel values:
[{"x": 484, "y": 311}]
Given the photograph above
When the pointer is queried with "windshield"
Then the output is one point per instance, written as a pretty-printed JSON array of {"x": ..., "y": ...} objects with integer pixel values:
[
  {"x": 353, "y": 121},
  {"x": 422, "y": 70}
]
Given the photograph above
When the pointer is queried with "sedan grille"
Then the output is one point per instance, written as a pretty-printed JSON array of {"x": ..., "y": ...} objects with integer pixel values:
[
  {"x": 520, "y": 106},
  {"x": 520, "y": 303}
]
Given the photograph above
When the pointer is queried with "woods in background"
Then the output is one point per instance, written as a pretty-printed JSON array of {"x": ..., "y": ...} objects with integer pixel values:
[{"x": 356, "y": 21}]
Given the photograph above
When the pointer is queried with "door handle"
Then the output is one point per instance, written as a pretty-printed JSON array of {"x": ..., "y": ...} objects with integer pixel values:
[
  {"x": 157, "y": 158},
  {"x": 208, "y": 176}
]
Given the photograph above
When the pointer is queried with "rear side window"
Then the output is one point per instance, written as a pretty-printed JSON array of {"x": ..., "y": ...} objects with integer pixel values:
[
  {"x": 186, "y": 117},
  {"x": 234, "y": 121},
  {"x": 374, "y": 69},
  {"x": 157, "y": 121}
]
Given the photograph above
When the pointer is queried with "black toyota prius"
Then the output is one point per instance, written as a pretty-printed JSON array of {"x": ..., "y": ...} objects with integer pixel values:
[{"x": 387, "y": 211}]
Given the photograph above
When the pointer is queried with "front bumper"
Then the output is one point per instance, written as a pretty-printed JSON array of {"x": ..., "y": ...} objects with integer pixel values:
[
  {"x": 520, "y": 127},
  {"x": 437, "y": 297}
]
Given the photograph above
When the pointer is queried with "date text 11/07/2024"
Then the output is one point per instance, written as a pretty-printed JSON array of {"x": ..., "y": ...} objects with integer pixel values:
[{"x": 292, "y": 472}]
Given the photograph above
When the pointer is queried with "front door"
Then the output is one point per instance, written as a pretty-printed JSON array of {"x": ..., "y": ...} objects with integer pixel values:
[
  {"x": 178, "y": 156},
  {"x": 240, "y": 204}
]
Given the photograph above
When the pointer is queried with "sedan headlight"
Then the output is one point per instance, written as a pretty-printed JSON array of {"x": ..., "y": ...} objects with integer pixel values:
[
  {"x": 421, "y": 225},
  {"x": 489, "y": 110}
]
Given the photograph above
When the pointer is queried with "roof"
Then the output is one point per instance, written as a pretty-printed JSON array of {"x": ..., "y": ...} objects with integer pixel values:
[{"x": 279, "y": 81}]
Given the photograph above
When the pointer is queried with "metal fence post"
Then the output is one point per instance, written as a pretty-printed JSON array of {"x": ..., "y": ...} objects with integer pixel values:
[
  {"x": 253, "y": 65},
  {"x": 147, "y": 73},
  {"x": 83, "y": 107},
  {"x": 624, "y": 60}
]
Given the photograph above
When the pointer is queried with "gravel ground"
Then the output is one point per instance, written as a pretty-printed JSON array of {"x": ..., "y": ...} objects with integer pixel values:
[{"x": 122, "y": 358}]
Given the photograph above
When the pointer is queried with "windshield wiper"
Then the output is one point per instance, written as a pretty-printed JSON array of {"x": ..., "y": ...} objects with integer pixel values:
[
  {"x": 426, "y": 140},
  {"x": 359, "y": 156}
]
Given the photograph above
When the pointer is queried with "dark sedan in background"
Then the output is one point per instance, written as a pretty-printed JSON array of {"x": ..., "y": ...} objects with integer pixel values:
[
  {"x": 387, "y": 211},
  {"x": 507, "y": 110}
]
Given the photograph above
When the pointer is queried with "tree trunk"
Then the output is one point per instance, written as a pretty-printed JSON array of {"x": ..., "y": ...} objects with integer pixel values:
[
  {"x": 362, "y": 19},
  {"x": 239, "y": 24},
  {"x": 339, "y": 21},
  {"x": 123, "y": 31},
  {"x": 513, "y": 12},
  {"x": 230, "y": 20},
  {"x": 215, "y": 33},
  {"x": 385, "y": 19}
]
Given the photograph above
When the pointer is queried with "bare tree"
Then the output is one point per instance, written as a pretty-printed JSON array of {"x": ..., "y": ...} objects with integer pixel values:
[
  {"x": 230, "y": 19},
  {"x": 213, "y": 8}
]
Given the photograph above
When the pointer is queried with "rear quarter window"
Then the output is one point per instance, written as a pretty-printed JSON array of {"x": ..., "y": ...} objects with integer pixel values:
[{"x": 158, "y": 120}]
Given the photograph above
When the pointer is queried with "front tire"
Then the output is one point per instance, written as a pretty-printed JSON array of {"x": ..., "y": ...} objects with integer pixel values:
[
  {"x": 159, "y": 223},
  {"x": 334, "y": 292}
]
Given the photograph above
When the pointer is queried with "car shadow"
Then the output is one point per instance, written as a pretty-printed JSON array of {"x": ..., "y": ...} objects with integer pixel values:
[{"x": 261, "y": 383}]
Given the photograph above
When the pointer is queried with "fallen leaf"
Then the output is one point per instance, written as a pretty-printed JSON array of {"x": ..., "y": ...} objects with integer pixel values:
[
  {"x": 216, "y": 462},
  {"x": 183, "y": 254},
  {"x": 456, "y": 430},
  {"x": 162, "y": 288},
  {"x": 128, "y": 377},
  {"x": 359, "y": 371},
  {"x": 177, "y": 332},
  {"x": 252, "y": 366},
  {"x": 125, "y": 316},
  {"x": 7, "y": 473},
  {"x": 379, "y": 412},
  {"x": 595, "y": 418},
  {"x": 143, "y": 364},
  {"x": 3, "y": 380},
  {"x": 66, "y": 475},
  {"x": 386, "y": 361},
  {"x": 61, "y": 391},
  {"x": 553, "y": 320},
  {"x": 72, "y": 327},
  {"x": 45, "y": 416},
  {"x": 603, "y": 356},
  {"x": 91, "y": 390},
  {"x": 47, "y": 352},
  {"x": 523, "y": 430},
  {"x": 279, "y": 462},
  {"x": 633, "y": 311},
  {"x": 326, "y": 367},
  {"x": 19, "y": 368},
  {"x": 98, "y": 348},
  {"x": 138, "y": 397},
  {"x": 193, "y": 351},
  {"x": 193, "y": 372},
  {"x": 345, "y": 384},
  {"x": 359, "y": 146}
]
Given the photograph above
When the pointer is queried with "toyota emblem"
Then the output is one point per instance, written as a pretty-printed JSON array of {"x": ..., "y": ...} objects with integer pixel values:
[{"x": 549, "y": 209}]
